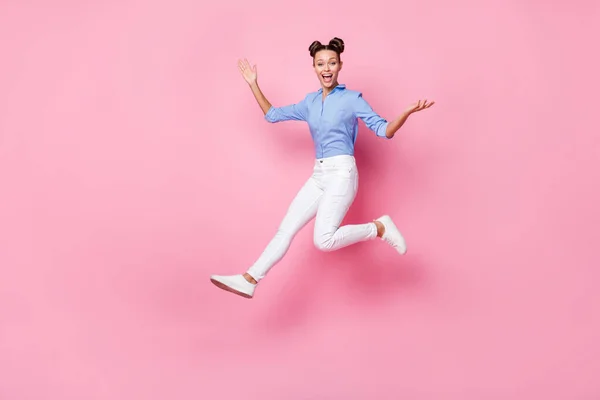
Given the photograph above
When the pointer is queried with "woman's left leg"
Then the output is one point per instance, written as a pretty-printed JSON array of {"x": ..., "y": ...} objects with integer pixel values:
[{"x": 341, "y": 185}]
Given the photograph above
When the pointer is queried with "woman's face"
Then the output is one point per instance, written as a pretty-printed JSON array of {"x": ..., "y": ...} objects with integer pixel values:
[{"x": 327, "y": 66}]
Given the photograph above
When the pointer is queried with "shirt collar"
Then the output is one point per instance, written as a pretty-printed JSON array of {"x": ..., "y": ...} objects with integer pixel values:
[{"x": 340, "y": 86}]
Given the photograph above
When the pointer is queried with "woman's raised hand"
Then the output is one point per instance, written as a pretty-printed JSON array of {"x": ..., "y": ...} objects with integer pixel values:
[
  {"x": 247, "y": 71},
  {"x": 418, "y": 106}
]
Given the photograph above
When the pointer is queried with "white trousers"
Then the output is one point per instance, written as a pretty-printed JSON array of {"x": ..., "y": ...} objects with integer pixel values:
[{"x": 326, "y": 195}]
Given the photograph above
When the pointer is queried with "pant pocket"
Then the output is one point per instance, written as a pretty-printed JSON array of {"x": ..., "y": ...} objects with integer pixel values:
[{"x": 343, "y": 182}]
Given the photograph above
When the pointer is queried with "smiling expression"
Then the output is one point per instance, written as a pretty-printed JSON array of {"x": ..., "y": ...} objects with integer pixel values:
[{"x": 327, "y": 67}]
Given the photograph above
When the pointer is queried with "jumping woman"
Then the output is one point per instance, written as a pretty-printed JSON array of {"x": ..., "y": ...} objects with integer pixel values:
[{"x": 332, "y": 115}]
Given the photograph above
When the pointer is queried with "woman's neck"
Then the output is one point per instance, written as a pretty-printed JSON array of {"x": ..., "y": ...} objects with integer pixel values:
[{"x": 326, "y": 91}]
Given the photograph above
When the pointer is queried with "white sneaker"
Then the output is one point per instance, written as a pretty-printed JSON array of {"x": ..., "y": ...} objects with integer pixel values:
[
  {"x": 392, "y": 235},
  {"x": 235, "y": 284}
]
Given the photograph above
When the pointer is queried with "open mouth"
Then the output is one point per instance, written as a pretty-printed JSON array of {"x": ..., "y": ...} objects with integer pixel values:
[{"x": 327, "y": 77}]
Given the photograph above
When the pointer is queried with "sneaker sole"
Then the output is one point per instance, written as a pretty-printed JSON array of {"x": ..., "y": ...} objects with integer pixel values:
[{"x": 226, "y": 288}]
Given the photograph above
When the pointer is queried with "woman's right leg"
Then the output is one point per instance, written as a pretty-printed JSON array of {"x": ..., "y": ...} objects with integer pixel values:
[{"x": 302, "y": 209}]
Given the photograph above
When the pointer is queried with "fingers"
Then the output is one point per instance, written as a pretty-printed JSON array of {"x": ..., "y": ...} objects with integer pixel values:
[
  {"x": 423, "y": 104},
  {"x": 245, "y": 67}
]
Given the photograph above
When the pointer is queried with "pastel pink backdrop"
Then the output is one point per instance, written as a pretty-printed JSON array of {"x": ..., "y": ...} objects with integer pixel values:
[{"x": 134, "y": 162}]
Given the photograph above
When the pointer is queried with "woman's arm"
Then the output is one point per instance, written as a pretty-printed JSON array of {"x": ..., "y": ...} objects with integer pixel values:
[
  {"x": 296, "y": 111},
  {"x": 250, "y": 75},
  {"x": 379, "y": 125},
  {"x": 264, "y": 104},
  {"x": 396, "y": 124}
]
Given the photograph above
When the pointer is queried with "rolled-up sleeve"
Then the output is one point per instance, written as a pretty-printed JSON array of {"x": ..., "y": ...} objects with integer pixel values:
[
  {"x": 372, "y": 120},
  {"x": 292, "y": 112}
]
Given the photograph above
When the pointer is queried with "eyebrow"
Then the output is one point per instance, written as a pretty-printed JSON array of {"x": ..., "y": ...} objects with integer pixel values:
[{"x": 332, "y": 58}]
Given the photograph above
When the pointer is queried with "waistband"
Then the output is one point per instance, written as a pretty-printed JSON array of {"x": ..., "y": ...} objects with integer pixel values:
[{"x": 335, "y": 161}]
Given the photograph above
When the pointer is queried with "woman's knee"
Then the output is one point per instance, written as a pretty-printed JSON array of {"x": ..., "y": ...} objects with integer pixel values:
[{"x": 324, "y": 242}]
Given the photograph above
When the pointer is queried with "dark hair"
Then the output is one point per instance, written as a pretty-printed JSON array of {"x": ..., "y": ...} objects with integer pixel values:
[{"x": 336, "y": 44}]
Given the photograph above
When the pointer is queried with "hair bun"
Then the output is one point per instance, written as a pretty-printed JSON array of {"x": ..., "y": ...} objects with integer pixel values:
[
  {"x": 337, "y": 43},
  {"x": 314, "y": 46}
]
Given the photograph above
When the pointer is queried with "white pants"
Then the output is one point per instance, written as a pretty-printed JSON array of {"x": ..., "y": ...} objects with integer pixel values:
[{"x": 327, "y": 194}]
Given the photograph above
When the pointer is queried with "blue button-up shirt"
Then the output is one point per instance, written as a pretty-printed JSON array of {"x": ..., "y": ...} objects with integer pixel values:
[{"x": 333, "y": 122}]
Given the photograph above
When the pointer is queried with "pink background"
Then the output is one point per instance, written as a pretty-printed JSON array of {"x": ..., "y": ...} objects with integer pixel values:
[{"x": 134, "y": 162}]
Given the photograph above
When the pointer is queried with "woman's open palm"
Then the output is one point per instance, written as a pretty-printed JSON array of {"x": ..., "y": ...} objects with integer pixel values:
[
  {"x": 248, "y": 71},
  {"x": 418, "y": 106}
]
